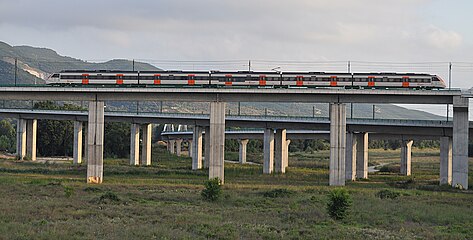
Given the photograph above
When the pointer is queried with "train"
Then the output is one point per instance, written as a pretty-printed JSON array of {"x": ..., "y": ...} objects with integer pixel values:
[{"x": 246, "y": 79}]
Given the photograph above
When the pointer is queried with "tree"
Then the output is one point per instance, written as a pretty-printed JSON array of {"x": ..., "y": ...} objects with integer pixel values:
[
  {"x": 117, "y": 140},
  {"x": 7, "y": 136},
  {"x": 55, "y": 138}
]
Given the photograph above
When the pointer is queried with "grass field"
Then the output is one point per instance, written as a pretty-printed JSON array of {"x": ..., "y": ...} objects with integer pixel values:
[{"x": 52, "y": 201}]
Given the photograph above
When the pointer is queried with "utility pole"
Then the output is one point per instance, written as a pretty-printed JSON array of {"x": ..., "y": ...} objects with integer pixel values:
[
  {"x": 374, "y": 111},
  {"x": 239, "y": 108},
  {"x": 16, "y": 69},
  {"x": 449, "y": 85},
  {"x": 249, "y": 65},
  {"x": 351, "y": 104},
  {"x": 133, "y": 65}
]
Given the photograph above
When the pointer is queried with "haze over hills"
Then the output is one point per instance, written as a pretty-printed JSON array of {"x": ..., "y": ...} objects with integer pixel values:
[
  {"x": 39, "y": 63},
  {"x": 36, "y": 64}
]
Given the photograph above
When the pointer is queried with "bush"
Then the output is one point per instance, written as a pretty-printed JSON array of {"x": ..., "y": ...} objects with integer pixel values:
[
  {"x": 390, "y": 169},
  {"x": 339, "y": 203},
  {"x": 212, "y": 190},
  {"x": 278, "y": 193},
  {"x": 109, "y": 197},
  {"x": 68, "y": 191},
  {"x": 386, "y": 193}
]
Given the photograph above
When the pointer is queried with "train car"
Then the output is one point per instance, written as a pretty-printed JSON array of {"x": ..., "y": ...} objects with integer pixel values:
[
  {"x": 247, "y": 79},
  {"x": 179, "y": 78}
]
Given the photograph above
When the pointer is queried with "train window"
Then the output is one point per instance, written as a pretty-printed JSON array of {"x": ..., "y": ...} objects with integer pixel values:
[{"x": 56, "y": 75}]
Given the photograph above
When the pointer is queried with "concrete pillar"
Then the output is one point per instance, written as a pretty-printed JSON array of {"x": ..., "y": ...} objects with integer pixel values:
[
  {"x": 86, "y": 145},
  {"x": 217, "y": 140},
  {"x": 337, "y": 144},
  {"x": 280, "y": 146},
  {"x": 196, "y": 147},
  {"x": 31, "y": 129},
  {"x": 460, "y": 142},
  {"x": 406, "y": 149},
  {"x": 135, "y": 144},
  {"x": 207, "y": 147},
  {"x": 286, "y": 159},
  {"x": 268, "y": 151},
  {"x": 350, "y": 158},
  {"x": 95, "y": 142},
  {"x": 178, "y": 147},
  {"x": 77, "y": 148},
  {"x": 189, "y": 148},
  {"x": 21, "y": 139},
  {"x": 242, "y": 151},
  {"x": 445, "y": 160},
  {"x": 172, "y": 146},
  {"x": 362, "y": 155},
  {"x": 146, "y": 145}
]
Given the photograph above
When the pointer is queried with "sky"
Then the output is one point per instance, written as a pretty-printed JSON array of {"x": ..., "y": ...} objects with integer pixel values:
[{"x": 319, "y": 35}]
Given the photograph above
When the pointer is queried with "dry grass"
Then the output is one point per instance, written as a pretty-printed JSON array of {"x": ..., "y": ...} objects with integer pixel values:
[{"x": 51, "y": 201}]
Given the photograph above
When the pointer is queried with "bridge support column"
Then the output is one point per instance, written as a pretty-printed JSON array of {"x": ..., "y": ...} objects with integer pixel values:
[
  {"x": 135, "y": 144},
  {"x": 31, "y": 130},
  {"x": 445, "y": 160},
  {"x": 146, "y": 147},
  {"x": 207, "y": 147},
  {"x": 189, "y": 148},
  {"x": 337, "y": 144},
  {"x": 178, "y": 147},
  {"x": 196, "y": 146},
  {"x": 406, "y": 152},
  {"x": 95, "y": 142},
  {"x": 350, "y": 160},
  {"x": 280, "y": 146},
  {"x": 268, "y": 151},
  {"x": 217, "y": 140},
  {"x": 77, "y": 148},
  {"x": 460, "y": 142},
  {"x": 21, "y": 139},
  {"x": 362, "y": 155},
  {"x": 242, "y": 151},
  {"x": 171, "y": 146},
  {"x": 86, "y": 146},
  {"x": 286, "y": 160}
]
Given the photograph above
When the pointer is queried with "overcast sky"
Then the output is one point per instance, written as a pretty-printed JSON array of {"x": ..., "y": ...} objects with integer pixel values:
[{"x": 303, "y": 30}]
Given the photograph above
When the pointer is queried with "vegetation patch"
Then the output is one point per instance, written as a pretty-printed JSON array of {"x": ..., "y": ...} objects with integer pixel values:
[
  {"x": 407, "y": 184},
  {"x": 390, "y": 169},
  {"x": 278, "y": 193},
  {"x": 212, "y": 190},
  {"x": 387, "y": 194},
  {"x": 339, "y": 202},
  {"x": 107, "y": 198}
]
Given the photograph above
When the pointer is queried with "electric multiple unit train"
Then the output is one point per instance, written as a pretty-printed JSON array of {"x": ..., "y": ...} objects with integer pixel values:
[{"x": 246, "y": 79}]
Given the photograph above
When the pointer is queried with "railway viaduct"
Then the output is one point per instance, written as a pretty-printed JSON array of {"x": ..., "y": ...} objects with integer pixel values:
[{"x": 454, "y": 136}]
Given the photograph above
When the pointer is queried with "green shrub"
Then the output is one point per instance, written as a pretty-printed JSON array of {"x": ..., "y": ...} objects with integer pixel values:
[
  {"x": 339, "y": 203},
  {"x": 280, "y": 192},
  {"x": 390, "y": 169},
  {"x": 387, "y": 194},
  {"x": 212, "y": 190},
  {"x": 68, "y": 191},
  {"x": 109, "y": 197}
]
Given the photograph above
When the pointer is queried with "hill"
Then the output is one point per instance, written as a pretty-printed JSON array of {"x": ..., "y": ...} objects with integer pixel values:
[{"x": 39, "y": 63}]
